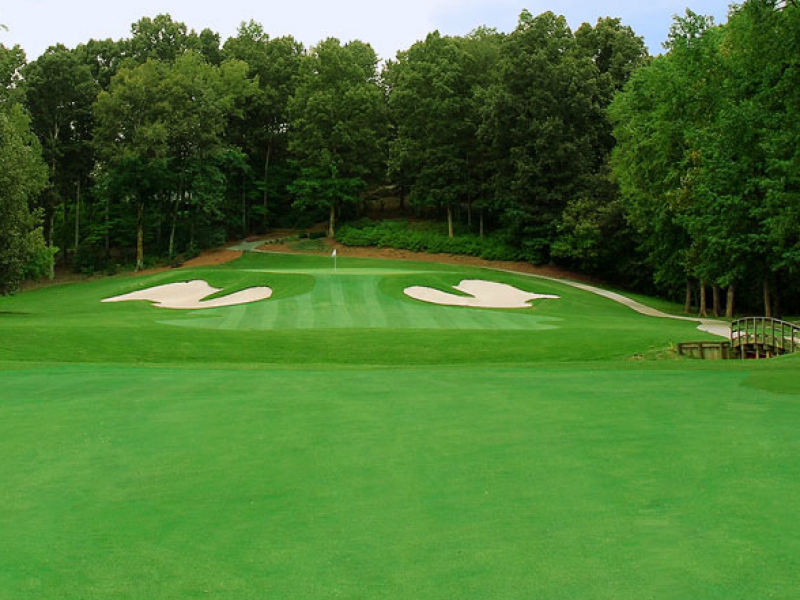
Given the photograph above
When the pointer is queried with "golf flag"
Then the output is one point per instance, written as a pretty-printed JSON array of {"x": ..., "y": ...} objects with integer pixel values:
[{"x": 334, "y": 253}]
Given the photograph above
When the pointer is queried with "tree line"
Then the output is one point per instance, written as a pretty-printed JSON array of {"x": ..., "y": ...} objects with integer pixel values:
[
  {"x": 576, "y": 147},
  {"x": 708, "y": 156}
]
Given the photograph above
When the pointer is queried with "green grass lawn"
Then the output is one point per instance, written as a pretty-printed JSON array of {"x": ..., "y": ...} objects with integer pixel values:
[{"x": 343, "y": 441}]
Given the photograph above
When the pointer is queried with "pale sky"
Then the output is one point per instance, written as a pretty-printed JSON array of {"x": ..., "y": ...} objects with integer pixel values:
[{"x": 387, "y": 25}]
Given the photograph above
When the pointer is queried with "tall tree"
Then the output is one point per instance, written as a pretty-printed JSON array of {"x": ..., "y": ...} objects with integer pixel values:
[
  {"x": 59, "y": 92},
  {"x": 614, "y": 48},
  {"x": 432, "y": 90},
  {"x": 762, "y": 49},
  {"x": 263, "y": 130},
  {"x": 160, "y": 38},
  {"x": 132, "y": 140},
  {"x": 160, "y": 130},
  {"x": 482, "y": 46},
  {"x": 11, "y": 62},
  {"x": 539, "y": 120},
  {"x": 200, "y": 99},
  {"x": 653, "y": 162},
  {"x": 104, "y": 58},
  {"x": 22, "y": 177},
  {"x": 338, "y": 129},
  {"x": 593, "y": 234}
]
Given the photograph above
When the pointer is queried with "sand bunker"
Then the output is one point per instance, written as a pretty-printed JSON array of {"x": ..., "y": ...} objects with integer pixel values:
[
  {"x": 190, "y": 294},
  {"x": 483, "y": 294}
]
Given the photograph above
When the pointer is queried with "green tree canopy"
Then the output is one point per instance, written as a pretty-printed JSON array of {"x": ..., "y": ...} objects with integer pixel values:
[
  {"x": 540, "y": 120},
  {"x": 22, "y": 176},
  {"x": 275, "y": 65},
  {"x": 59, "y": 92},
  {"x": 160, "y": 127},
  {"x": 338, "y": 126},
  {"x": 432, "y": 89}
]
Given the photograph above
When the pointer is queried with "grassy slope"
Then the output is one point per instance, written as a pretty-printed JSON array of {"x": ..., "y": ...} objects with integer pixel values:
[
  {"x": 239, "y": 472},
  {"x": 327, "y": 325}
]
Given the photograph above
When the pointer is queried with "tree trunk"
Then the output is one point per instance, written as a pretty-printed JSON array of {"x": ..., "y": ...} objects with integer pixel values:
[
  {"x": 450, "y": 220},
  {"x": 716, "y": 293},
  {"x": 481, "y": 223},
  {"x": 173, "y": 227},
  {"x": 140, "y": 238},
  {"x": 469, "y": 215},
  {"x": 332, "y": 222},
  {"x": 65, "y": 242},
  {"x": 703, "y": 312},
  {"x": 159, "y": 230},
  {"x": 51, "y": 220},
  {"x": 108, "y": 227},
  {"x": 687, "y": 307},
  {"x": 78, "y": 217},
  {"x": 767, "y": 299},
  {"x": 729, "y": 305},
  {"x": 244, "y": 210},
  {"x": 51, "y": 210},
  {"x": 192, "y": 217},
  {"x": 266, "y": 175}
]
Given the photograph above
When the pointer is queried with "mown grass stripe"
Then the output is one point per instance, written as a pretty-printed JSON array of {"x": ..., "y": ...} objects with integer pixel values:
[
  {"x": 320, "y": 304},
  {"x": 267, "y": 315},
  {"x": 445, "y": 317},
  {"x": 378, "y": 302},
  {"x": 287, "y": 313},
  {"x": 394, "y": 311},
  {"x": 495, "y": 319},
  {"x": 232, "y": 316},
  {"x": 341, "y": 315},
  {"x": 361, "y": 311}
]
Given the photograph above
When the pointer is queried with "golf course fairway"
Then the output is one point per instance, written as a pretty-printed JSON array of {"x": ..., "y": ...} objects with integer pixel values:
[{"x": 343, "y": 440}]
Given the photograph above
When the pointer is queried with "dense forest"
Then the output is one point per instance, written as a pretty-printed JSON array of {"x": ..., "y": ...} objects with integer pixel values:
[{"x": 677, "y": 174}]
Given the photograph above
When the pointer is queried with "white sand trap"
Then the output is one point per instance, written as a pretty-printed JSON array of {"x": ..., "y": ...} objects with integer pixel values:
[
  {"x": 190, "y": 294},
  {"x": 484, "y": 294}
]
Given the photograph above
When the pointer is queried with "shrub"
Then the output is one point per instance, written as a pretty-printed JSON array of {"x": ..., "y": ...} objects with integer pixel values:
[
  {"x": 41, "y": 262},
  {"x": 424, "y": 237},
  {"x": 90, "y": 258},
  {"x": 217, "y": 238},
  {"x": 193, "y": 251}
]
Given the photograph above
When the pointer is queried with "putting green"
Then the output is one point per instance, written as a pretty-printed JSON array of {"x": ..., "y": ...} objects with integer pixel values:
[
  {"x": 347, "y": 300},
  {"x": 343, "y": 440}
]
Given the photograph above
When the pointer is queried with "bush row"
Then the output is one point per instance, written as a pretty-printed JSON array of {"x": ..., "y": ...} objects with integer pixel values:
[{"x": 403, "y": 235}]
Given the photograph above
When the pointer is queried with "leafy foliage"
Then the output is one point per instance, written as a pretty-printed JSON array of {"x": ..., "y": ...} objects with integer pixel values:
[
  {"x": 22, "y": 176},
  {"x": 574, "y": 147},
  {"x": 703, "y": 160},
  {"x": 406, "y": 236},
  {"x": 338, "y": 126}
]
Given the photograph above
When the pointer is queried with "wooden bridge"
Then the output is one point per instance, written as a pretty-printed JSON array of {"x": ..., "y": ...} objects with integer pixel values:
[
  {"x": 753, "y": 337},
  {"x": 762, "y": 337}
]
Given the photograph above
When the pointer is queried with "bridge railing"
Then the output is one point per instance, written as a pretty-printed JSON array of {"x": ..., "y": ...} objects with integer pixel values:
[{"x": 764, "y": 333}]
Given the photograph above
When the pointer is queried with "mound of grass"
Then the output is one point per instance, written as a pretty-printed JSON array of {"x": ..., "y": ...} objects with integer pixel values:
[{"x": 357, "y": 314}]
